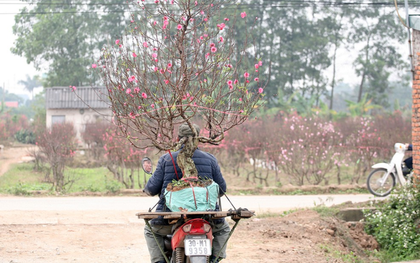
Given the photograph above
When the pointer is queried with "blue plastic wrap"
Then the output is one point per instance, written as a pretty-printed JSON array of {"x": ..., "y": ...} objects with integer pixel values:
[{"x": 183, "y": 200}]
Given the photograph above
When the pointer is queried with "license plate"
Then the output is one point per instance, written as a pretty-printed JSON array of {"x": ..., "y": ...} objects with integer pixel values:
[{"x": 197, "y": 247}]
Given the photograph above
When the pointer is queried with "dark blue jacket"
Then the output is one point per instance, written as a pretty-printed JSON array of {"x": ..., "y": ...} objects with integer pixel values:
[{"x": 205, "y": 163}]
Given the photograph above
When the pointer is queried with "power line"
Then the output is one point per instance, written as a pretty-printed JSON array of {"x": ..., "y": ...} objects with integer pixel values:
[{"x": 266, "y": 4}]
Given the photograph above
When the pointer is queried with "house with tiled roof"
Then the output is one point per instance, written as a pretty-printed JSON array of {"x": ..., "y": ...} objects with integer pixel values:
[{"x": 80, "y": 107}]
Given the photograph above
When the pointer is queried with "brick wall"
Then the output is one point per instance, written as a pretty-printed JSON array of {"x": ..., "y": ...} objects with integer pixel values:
[{"x": 416, "y": 104}]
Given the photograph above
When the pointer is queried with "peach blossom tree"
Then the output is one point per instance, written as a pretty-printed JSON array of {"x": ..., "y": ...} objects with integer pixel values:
[{"x": 177, "y": 64}]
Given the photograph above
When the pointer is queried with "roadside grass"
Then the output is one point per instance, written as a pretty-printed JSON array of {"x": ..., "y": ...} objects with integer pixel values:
[
  {"x": 333, "y": 254},
  {"x": 21, "y": 179}
]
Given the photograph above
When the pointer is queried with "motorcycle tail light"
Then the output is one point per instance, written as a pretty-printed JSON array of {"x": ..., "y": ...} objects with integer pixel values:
[
  {"x": 206, "y": 228},
  {"x": 187, "y": 228}
]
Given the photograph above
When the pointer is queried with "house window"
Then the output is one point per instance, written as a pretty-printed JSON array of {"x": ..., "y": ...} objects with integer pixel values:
[{"x": 58, "y": 119}]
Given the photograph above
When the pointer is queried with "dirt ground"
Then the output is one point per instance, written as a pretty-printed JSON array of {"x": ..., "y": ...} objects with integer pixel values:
[
  {"x": 298, "y": 237},
  {"x": 102, "y": 236}
]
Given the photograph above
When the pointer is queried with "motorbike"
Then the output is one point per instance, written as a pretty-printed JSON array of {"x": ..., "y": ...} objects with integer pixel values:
[
  {"x": 382, "y": 180},
  {"x": 192, "y": 233}
]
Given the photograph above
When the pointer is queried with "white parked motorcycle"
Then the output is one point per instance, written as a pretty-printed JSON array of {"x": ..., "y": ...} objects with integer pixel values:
[{"x": 383, "y": 178}]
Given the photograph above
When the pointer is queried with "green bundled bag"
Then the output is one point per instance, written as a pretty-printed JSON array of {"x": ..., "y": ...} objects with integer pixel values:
[{"x": 183, "y": 200}]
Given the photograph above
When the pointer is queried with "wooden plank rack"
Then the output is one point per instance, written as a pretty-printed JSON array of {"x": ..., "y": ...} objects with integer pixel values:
[{"x": 234, "y": 214}]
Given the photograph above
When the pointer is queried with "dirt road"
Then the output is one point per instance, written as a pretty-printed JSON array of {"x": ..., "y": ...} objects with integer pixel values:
[
  {"x": 69, "y": 230},
  {"x": 12, "y": 155}
]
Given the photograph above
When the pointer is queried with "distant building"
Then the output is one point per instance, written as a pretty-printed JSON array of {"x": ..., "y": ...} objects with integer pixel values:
[
  {"x": 85, "y": 105},
  {"x": 11, "y": 104}
]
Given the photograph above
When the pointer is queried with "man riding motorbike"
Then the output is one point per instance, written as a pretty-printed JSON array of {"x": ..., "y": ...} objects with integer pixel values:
[{"x": 207, "y": 167}]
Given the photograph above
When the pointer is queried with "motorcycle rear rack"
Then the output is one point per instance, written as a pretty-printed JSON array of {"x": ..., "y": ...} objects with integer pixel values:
[{"x": 234, "y": 214}]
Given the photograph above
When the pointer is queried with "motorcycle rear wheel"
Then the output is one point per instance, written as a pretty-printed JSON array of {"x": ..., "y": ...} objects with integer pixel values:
[{"x": 375, "y": 180}]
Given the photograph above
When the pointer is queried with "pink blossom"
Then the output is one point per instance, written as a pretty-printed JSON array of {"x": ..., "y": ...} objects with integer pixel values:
[
  {"x": 243, "y": 14},
  {"x": 256, "y": 66},
  {"x": 230, "y": 87},
  {"x": 94, "y": 65},
  {"x": 166, "y": 81},
  {"x": 236, "y": 81},
  {"x": 213, "y": 49},
  {"x": 229, "y": 82},
  {"x": 131, "y": 78},
  {"x": 153, "y": 106},
  {"x": 260, "y": 63},
  {"x": 246, "y": 75},
  {"x": 212, "y": 45},
  {"x": 165, "y": 18},
  {"x": 154, "y": 55},
  {"x": 260, "y": 90},
  {"x": 154, "y": 23},
  {"x": 226, "y": 19},
  {"x": 73, "y": 87},
  {"x": 205, "y": 19},
  {"x": 117, "y": 42},
  {"x": 169, "y": 65},
  {"x": 144, "y": 95},
  {"x": 136, "y": 90},
  {"x": 145, "y": 44},
  {"x": 221, "y": 39},
  {"x": 256, "y": 79},
  {"x": 221, "y": 26},
  {"x": 134, "y": 55},
  {"x": 156, "y": 69},
  {"x": 207, "y": 55},
  {"x": 128, "y": 91},
  {"x": 179, "y": 27}
]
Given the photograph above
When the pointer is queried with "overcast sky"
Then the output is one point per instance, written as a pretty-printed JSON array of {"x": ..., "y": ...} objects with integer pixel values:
[{"x": 12, "y": 67}]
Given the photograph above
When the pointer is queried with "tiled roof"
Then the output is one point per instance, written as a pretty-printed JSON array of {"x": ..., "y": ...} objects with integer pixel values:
[{"x": 81, "y": 98}]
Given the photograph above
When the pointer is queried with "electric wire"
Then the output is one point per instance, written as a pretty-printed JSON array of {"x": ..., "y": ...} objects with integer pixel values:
[{"x": 265, "y": 3}]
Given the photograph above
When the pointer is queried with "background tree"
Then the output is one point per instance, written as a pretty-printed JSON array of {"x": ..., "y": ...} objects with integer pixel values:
[
  {"x": 30, "y": 84},
  {"x": 57, "y": 145},
  {"x": 377, "y": 30},
  {"x": 63, "y": 37}
]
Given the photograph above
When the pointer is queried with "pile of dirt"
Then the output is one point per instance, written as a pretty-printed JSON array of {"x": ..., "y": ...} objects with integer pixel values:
[{"x": 304, "y": 236}]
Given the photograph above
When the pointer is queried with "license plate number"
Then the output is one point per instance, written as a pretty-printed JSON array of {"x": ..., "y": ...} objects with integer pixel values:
[{"x": 197, "y": 247}]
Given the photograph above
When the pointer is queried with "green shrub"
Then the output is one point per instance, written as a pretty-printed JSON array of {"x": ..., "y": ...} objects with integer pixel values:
[
  {"x": 395, "y": 224},
  {"x": 112, "y": 186},
  {"x": 25, "y": 136}
]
